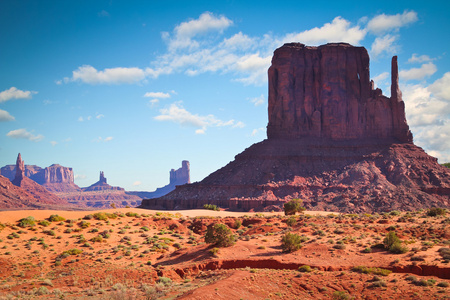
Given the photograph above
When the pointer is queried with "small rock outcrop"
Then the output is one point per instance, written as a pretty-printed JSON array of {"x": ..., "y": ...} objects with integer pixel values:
[
  {"x": 333, "y": 141},
  {"x": 177, "y": 177}
]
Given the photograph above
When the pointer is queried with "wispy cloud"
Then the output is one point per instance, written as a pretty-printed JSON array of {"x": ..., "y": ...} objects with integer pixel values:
[
  {"x": 5, "y": 116},
  {"x": 425, "y": 70},
  {"x": 339, "y": 30},
  {"x": 90, "y": 75},
  {"x": 257, "y": 101},
  {"x": 24, "y": 134},
  {"x": 137, "y": 183},
  {"x": 200, "y": 45},
  {"x": 383, "y": 23},
  {"x": 14, "y": 93},
  {"x": 103, "y": 140},
  {"x": 177, "y": 114},
  {"x": 419, "y": 59}
]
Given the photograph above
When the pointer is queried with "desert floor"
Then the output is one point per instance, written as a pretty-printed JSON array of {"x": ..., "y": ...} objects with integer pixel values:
[{"x": 145, "y": 254}]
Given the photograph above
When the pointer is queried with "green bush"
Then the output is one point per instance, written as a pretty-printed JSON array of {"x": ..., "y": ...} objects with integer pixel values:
[
  {"x": 340, "y": 295},
  {"x": 27, "y": 222},
  {"x": 375, "y": 271},
  {"x": 305, "y": 268},
  {"x": 44, "y": 223},
  {"x": 101, "y": 216},
  {"x": 291, "y": 221},
  {"x": 56, "y": 218},
  {"x": 73, "y": 251},
  {"x": 220, "y": 235},
  {"x": 291, "y": 242},
  {"x": 292, "y": 207},
  {"x": 436, "y": 211},
  {"x": 211, "y": 207},
  {"x": 237, "y": 223}
]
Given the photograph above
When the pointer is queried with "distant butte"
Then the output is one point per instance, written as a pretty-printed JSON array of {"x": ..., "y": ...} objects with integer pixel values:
[{"x": 334, "y": 141}]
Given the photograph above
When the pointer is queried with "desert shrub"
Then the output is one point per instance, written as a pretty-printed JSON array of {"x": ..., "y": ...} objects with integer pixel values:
[
  {"x": 291, "y": 221},
  {"x": 395, "y": 213},
  {"x": 436, "y": 211},
  {"x": 367, "y": 250},
  {"x": 132, "y": 214},
  {"x": 101, "y": 216},
  {"x": 220, "y": 235},
  {"x": 211, "y": 207},
  {"x": 214, "y": 251},
  {"x": 377, "y": 283},
  {"x": 443, "y": 284},
  {"x": 97, "y": 239},
  {"x": 444, "y": 252},
  {"x": 44, "y": 223},
  {"x": 340, "y": 295},
  {"x": 392, "y": 243},
  {"x": 398, "y": 248},
  {"x": 339, "y": 246},
  {"x": 291, "y": 242},
  {"x": 294, "y": 206},
  {"x": 84, "y": 224},
  {"x": 177, "y": 246},
  {"x": 56, "y": 218},
  {"x": 73, "y": 251},
  {"x": 305, "y": 268},
  {"x": 375, "y": 271},
  {"x": 88, "y": 217},
  {"x": 165, "y": 280},
  {"x": 237, "y": 223},
  {"x": 145, "y": 228},
  {"x": 27, "y": 222}
]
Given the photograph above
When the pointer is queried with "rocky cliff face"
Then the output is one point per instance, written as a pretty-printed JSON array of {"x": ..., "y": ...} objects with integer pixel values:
[
  {"x": 34, "y": 192},
  {"x": 333, "y": 140},
  {"x": 55, "y": 178},
  {"x": 326, "y": 92}
]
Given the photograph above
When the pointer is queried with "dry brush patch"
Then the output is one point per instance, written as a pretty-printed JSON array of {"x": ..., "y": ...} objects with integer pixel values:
[{"x": 108, "y": 255}]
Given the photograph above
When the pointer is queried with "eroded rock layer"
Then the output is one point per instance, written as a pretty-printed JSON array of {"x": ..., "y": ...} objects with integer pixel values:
[{"x": 333, "y": 140}]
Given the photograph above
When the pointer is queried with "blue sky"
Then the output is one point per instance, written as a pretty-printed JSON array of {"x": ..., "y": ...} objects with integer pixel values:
[{"x": 132, "y": 88}]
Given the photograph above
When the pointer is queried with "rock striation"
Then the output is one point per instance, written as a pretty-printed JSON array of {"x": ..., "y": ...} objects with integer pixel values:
[
  {"x": 333, "y": 140},
  {"x": 325, "y": 92}
]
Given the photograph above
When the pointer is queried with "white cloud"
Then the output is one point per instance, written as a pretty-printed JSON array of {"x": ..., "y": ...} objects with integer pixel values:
[
  {"x": 90, "y": 75},
  {"x": 441, "y": 87},
  {"x": 137, "y": 183},
  {"x": 379, "y": 79},
  {"x": 14, "y": 93},
  {"x": 103, "y": 140},
  {"x": 53, "y": 143},
  {"x": 183, "y": 33},
  {"x": 384, "y": 44},
  {"x": 257, "y": 131},
  {"x": 157, "y": 95},
  {"x": 24, "y": 134},
  {"x": 80, "y": 176},
  {"x": 419, "y": 59},
  {"x": 5, "y": 116},
  {"x": 80, "y": 119},
  {"x": 428, "y": 114},
  {"x": 99, "y": 116},
  {"x": 339, "y": 30},
  {"x": 177, "y": 114},
  {"x": 258, "y": 100},
  {"x": 103, "y": 14},
  {"x": 425, "y": 70},
  {"x": 384, "y": 23}
]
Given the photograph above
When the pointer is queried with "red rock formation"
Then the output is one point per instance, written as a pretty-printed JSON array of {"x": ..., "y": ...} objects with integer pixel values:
[
  {"x": 102, "y": 185},
  {"x": 333, "y": 141},
  {"x": 325, "y": 92},
  {"x": 39, "y": 194}
]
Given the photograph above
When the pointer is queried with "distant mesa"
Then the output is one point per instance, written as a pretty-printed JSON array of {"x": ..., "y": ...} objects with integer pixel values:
[
  {"x": 177, "y": 177},
  {"x": 102, "y": 185},
  {"x": 333, "y": 140},
  {"x": 22, "y": 192},
  {"x": 56, "y": 178}
]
